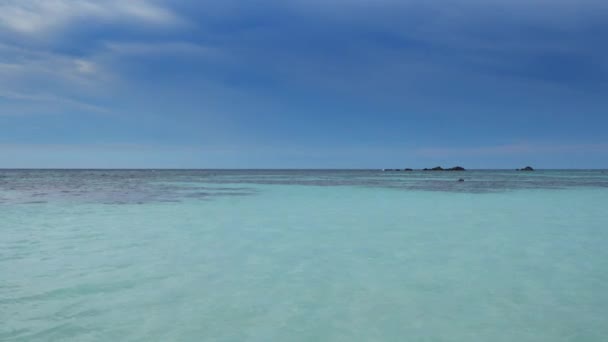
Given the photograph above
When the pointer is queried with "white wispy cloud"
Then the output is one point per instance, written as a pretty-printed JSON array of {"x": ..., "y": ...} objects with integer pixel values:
[
  {"x": 19, "y": 61},
  {"x": 33, "y": 66},
  {"x": 160, "y": 48},
  {"x": 29, "y": 75},
  {"x": 52, "y": 99},
  {"x": 33, "y": 17},
  {"x": 30, "y": 70}
]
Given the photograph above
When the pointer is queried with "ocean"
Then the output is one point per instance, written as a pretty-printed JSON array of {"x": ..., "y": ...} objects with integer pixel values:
[{"x": 303, "y": 255}]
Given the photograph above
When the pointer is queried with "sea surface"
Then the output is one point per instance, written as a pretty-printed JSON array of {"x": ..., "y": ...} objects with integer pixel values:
[{"x": 301, "y": 255}]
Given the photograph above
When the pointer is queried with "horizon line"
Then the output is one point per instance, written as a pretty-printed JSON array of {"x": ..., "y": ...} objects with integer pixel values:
[{"x": 276, "y": 169}]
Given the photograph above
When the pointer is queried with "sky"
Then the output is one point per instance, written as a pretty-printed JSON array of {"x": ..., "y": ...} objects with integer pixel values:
[{"x": 303, "y": 84}]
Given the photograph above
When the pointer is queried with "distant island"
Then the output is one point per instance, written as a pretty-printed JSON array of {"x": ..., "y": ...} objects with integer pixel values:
[
  {"x": 437, "y": 168},
  {"x": 455, "y": 168}
]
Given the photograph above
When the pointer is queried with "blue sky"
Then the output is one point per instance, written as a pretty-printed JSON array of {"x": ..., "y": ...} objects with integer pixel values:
[{"x": 303, "y": 84}]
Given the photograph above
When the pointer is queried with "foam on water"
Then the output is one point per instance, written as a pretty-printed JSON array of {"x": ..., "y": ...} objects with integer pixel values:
[{"x": 303, "y": 255}]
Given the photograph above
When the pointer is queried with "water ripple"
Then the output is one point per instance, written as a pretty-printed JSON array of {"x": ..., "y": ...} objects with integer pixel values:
[{"x": 38, "y": 187}]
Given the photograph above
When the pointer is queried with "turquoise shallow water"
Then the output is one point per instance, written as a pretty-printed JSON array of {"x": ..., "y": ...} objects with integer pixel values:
[{"x": 303, "y": 256}]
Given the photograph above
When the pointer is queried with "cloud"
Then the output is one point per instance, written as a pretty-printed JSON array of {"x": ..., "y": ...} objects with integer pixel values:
[
  {"x": 52, "y": 99},
  {"x": 35, "y": 75},
  {"x": 170, "y": 48},
  {"x": 52, "y": 52},
  {"x": 85, "y": 67},
  {"x": 20, "y": 61},
  {"x": 401, "y": 51},
  {"x": 39, "y": 17}
]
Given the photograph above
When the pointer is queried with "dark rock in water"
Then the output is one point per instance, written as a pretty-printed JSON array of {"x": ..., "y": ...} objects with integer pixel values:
[
  {"x": 527, "y": 168},
  {"x": 408, "y": 170},
  {"x": 461, "y": 180},
  {"x": 439, "y": 168}
]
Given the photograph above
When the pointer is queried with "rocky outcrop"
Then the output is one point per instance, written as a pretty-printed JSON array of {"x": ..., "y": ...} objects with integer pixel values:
[
  {"x": 439, "y": 168},
  {"x": 527, "y": 168},
  {"x": 436, "y": 168}
]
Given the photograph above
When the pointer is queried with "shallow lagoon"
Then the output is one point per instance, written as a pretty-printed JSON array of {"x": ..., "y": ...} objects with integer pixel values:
[{"x": 303, "y": 255}]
